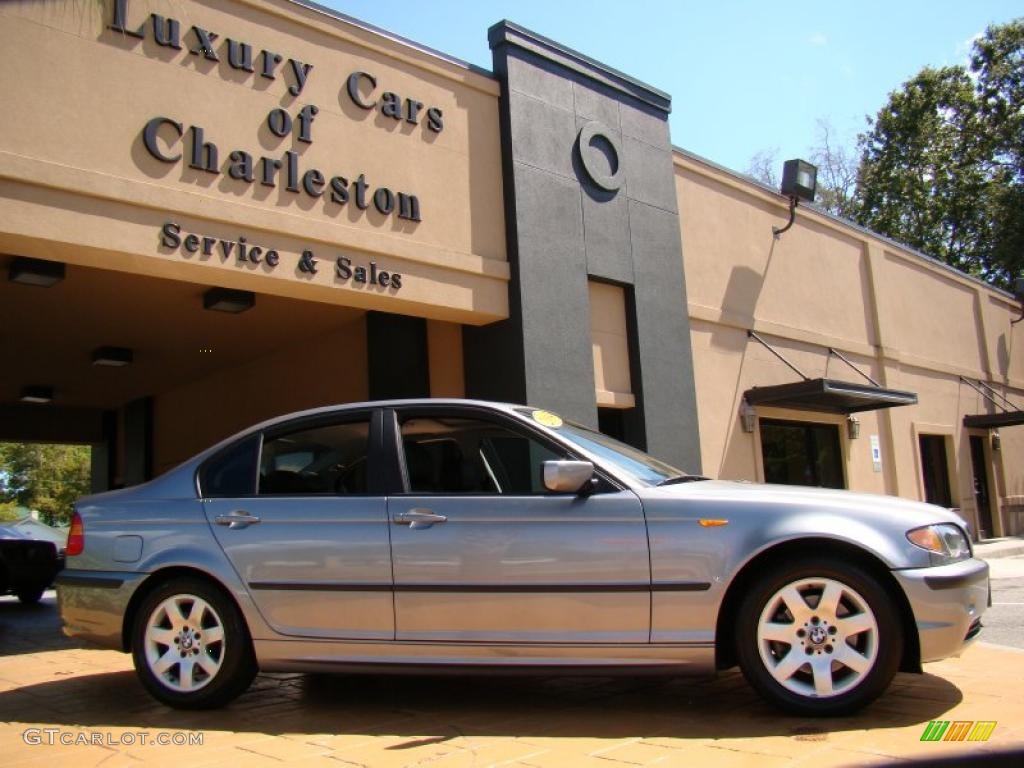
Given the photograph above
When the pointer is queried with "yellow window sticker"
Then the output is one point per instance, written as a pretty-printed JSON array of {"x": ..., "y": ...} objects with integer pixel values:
[{"x": 547, "y": 418}]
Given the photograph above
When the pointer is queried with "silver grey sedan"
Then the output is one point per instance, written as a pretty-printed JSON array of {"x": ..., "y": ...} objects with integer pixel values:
[{"x": 478, "y": 536}]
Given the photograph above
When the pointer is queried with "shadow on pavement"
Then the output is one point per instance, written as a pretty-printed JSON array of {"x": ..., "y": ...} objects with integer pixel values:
[
  {"x": 432, "y": 709},
  {"x": 435, "y": 708},
  {"x": 31, "y": 628}
]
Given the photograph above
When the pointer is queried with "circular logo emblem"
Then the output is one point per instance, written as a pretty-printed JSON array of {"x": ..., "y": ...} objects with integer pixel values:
[{"x": 601, "y": 155}]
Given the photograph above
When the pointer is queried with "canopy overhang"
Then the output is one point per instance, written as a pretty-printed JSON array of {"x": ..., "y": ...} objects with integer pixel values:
[
  {"x": 829, "y": 396},
  {"x": 994, "y": 420}
]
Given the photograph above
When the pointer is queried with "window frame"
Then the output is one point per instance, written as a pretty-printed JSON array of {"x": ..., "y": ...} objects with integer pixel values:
[
  {"x": 377, "y": 481},
  {"x": 396, "y": 452}
]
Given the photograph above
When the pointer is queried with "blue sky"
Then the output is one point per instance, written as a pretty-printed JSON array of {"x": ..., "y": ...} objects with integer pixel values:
[{"x": 744, "y": 76}]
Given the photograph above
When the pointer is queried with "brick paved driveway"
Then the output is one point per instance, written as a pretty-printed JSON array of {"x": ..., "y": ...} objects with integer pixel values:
[{"x": 47, "y": 681}]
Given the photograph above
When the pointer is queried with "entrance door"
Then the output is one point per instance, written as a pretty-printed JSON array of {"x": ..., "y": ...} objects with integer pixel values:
[
  {"x": 801, "y": 453},
  {"x": 935, "y": 470},
  {"x": 979, "y": 468},
  {"x": 484, "y": 553}
]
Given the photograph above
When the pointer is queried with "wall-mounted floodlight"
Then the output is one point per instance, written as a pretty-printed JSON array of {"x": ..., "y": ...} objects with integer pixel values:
[
  {"x": 799, "y": 182},
  {"x": 852, "y": 427}
]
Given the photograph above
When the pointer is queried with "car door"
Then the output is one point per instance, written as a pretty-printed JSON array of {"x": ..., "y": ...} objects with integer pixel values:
[
  {"x": 482, "y": 552},
  {"x": 309, "y": 538}
]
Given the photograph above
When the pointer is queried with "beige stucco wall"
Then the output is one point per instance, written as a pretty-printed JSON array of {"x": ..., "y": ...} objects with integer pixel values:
[
  {"x": 310, "y": 373},
  {"x": 905, "y": 321},
  {"x": 77, "y": 183}
]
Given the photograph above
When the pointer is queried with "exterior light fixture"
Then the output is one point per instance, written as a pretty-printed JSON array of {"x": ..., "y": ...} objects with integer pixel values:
[
  {"x": 997, "y": 441},
  {"x": 799, "y": 182},
  {"x": 228, "y": 300},
  {"x": 852, "y": 427},
  {"x": 112, "y": 357},
  {"x": 35, "y": 272},
  {"x": 37, "y": 394},
  {"x": 748, "y": 416}
]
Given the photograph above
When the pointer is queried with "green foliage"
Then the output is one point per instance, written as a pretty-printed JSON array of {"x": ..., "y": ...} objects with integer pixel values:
[
  {"x": 10, "y": 511},
  {"x": 45, "y": 478},
  {"x": 942, "y": 165}
]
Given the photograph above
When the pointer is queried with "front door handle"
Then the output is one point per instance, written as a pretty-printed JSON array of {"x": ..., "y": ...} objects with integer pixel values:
[
  {"x": 237, "y": 519},
  {"x": 419, "y": 518}
]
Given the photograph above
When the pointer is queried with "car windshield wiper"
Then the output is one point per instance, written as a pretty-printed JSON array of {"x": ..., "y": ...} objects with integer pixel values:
[{"x": 675, "y": 479}]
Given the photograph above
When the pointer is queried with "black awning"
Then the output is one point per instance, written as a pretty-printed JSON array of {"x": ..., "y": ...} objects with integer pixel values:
[
  {"x": 995, "y": 420},
  {"x": 829, "y": 396}
]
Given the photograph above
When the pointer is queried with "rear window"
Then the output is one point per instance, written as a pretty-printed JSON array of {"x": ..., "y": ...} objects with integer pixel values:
[{"x": 232, "y": 471}]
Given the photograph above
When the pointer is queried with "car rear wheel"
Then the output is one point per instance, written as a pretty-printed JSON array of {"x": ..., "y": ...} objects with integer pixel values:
[
  {"x": 817, "y": 638},
  {"x": 191, "y": 647},
  {"x": 30, "y": 595}
]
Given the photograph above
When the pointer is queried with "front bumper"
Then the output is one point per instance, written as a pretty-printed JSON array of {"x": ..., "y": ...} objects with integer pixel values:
[
  {"x": 93, "y": 604},
  {"x": 947, "y": 601}
]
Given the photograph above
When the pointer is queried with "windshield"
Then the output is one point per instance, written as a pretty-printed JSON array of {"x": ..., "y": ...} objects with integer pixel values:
[{"x": 644, "y": 469}]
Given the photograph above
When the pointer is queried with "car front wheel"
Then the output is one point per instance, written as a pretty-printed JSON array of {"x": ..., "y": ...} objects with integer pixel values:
[
  {"x": 190, "y": 646},
  {"x": 817, "y": 638}
]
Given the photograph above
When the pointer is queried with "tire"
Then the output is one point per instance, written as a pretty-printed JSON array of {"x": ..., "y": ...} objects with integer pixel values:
[
  {"x": 839, "y": 623},
  {"x": 30, "y": 595},
  {"x": 190, "y": 645}
]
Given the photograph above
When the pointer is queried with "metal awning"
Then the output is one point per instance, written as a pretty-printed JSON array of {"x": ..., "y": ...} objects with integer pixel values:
[
  {"x": 830, "y": 396},
  {"x": 994, "y": 420},
  {"x": 826, "y": 395},
  {"x": 1011, "y": 416}
]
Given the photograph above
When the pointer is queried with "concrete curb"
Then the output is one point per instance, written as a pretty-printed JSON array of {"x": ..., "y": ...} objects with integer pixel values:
[{"x": 1011, "y": 546}]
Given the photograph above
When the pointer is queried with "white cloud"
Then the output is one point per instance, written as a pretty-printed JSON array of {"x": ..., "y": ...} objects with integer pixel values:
[{"x": 818, "y": 39}]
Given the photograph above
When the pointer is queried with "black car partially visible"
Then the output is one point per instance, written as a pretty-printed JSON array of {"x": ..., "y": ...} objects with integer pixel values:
[{"x": 27, "y": 566}]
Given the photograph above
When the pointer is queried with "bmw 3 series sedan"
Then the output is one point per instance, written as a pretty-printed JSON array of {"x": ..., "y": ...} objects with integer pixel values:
[{"x": 473, "y": 535}]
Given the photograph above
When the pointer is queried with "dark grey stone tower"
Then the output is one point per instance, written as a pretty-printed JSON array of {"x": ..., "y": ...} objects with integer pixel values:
[{"x": 589, "y": 194}]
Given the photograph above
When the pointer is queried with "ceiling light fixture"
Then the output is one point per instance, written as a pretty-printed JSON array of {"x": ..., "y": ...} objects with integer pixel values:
[
  {"x": 37, "y": 394},
  {"x": 35, "y": 272},
  {"x": 112, "y": 357},
  {"x": 228, "y": 300}
]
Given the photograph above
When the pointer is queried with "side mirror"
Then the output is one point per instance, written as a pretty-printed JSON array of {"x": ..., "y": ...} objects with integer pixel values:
[{"x": 567, "y": 476}]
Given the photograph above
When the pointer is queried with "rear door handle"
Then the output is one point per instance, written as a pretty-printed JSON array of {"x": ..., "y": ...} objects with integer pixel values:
[
  {"x": 419, "y": 518},
  {"x": 237, "y": 519}
]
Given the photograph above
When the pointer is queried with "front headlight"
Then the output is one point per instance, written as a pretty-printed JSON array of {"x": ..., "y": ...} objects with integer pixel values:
[{"x": 945, "y": 541}]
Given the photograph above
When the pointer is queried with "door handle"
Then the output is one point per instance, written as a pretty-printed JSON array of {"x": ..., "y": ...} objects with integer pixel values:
[
  {"x": 237, "y": 519},
  {"x": 419, "y": 518}
]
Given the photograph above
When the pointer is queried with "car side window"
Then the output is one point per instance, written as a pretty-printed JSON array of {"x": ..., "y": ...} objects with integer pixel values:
[
  {"x": 324, "y": 459},
  {"x": 474, "y": 456},
  {"x": 232, "y": 471}
]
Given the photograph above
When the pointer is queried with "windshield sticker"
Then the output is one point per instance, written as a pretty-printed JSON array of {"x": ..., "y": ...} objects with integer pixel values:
[{"x": 547, "y": 418}]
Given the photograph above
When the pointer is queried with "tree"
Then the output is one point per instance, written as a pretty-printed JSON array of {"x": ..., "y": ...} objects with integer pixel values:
[
  {"x": 941, "y": 164},
  {"x": 837, "y": 173},
  {"x": 45, "y": 478},
  {"x": 763, "y": 165}
]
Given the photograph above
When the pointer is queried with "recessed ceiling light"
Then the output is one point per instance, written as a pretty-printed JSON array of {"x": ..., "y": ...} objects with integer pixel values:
[
  {"x": 112, "y": 357},
  {"x": 37, "y": 394},
  {"x": 228, "y": 300},
  {"x": 35, "y": 272}
]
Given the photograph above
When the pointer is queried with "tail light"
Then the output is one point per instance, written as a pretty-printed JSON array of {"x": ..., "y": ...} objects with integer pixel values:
[{"x": 76, "y": 536}]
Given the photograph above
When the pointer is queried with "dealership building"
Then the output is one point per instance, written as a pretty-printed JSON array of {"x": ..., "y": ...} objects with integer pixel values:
[{"x": 214, "y": 213}]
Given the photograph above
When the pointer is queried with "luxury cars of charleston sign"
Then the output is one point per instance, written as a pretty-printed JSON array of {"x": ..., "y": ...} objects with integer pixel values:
[{"x": 170, "y": 141}]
